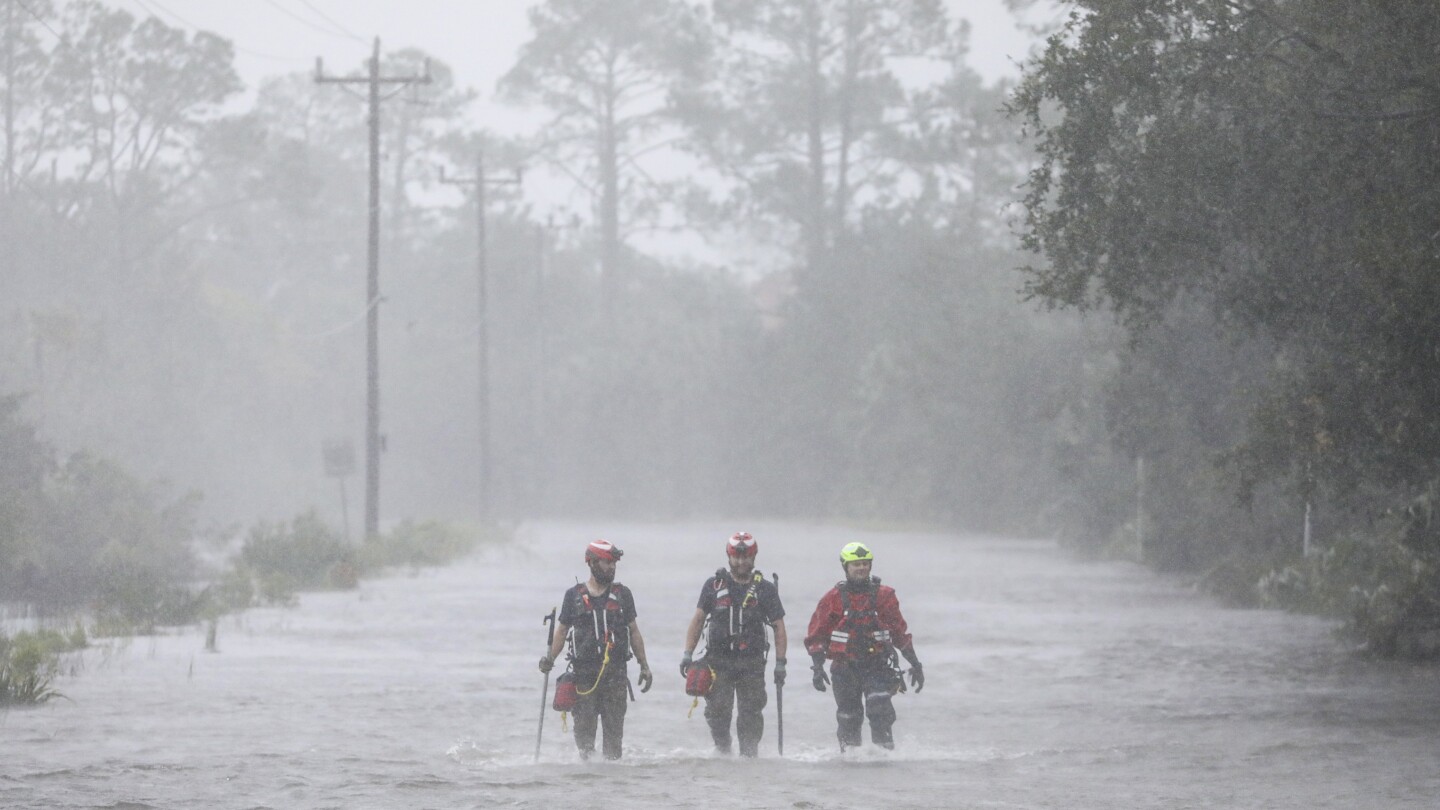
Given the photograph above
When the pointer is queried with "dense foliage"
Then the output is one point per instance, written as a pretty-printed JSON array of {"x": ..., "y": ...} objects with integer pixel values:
[
  {"x": 83, "y": 533},
  {"x": 1251, "y": 187}
]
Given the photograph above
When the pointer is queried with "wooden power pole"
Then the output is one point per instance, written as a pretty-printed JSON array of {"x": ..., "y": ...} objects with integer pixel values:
[
  {"x": 372, "y": 301},
  {"x": 482, "y": 274}
]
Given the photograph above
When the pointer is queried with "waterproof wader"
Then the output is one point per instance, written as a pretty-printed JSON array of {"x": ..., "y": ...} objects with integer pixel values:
[
  {"x": 603, "y": 707},
  {"x": 863, "y": 688},
  {"x": 740, "y": 684}
]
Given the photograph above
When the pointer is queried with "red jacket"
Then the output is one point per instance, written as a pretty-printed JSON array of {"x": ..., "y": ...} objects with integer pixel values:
[{"x": 865, "y": 630}]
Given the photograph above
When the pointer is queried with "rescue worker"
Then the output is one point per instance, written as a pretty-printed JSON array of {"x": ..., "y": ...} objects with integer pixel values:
[
  {"x": 738, "y": 602},
  {"x": 597, "y": 619},
  {"x": 858, "y": 626}
]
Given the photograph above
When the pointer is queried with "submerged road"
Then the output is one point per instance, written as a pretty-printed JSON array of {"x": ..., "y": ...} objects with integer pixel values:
[{"x": 1050, "y": 684}]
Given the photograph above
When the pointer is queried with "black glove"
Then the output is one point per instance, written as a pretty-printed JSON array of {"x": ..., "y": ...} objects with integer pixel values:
[
  {"x": 685, "y": 661},
  {"x": 779, "y": 671},
  {"x": 546, "y": 663},
  {"x": 817, "y": 671},
  {"x": 917, "y": 672},
  {"x": 645, "y": 679}
]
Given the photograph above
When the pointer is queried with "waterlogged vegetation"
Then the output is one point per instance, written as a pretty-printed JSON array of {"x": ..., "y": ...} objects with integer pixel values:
[
  {"x": 84, "y": 541},
  {"x": 1383, "y": 583},
  {"x": 30, "y": 661},
  {"x": 84, "y": 535},
  {"x": 278, "y": 560},
  {"x": 274, "y": 564}
]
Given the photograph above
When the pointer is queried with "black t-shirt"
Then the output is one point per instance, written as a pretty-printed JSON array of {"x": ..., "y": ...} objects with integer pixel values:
[
  {"x": 595, "y": 621},
  {"x": 739, "y": 613}
]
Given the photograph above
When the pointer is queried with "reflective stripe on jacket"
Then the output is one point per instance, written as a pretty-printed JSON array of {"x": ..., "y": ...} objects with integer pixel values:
[{"x": 857, "y": 621}]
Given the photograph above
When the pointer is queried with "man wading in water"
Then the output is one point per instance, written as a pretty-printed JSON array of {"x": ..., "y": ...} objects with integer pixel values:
[
  {"x": 598, "y": 619},
  {"x": 739, "y": 604},
  {"x": 858, "y": 626}
]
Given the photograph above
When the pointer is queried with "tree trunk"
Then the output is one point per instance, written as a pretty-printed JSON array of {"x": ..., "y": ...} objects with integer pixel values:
[
  {"x": 611, "y": 280},
  {"x": 814, "y": 214}
]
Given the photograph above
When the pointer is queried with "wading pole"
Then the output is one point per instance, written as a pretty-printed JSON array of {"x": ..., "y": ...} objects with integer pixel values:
[
  {"x": 779, "y": 695},
  {"x": 549, "y": 619}
]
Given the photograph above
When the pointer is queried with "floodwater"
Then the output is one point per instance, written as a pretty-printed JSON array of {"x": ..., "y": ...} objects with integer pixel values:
[{"x": 1052, "y": 684}]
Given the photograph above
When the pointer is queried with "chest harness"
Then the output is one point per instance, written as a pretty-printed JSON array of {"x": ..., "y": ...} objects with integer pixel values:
[
  {"x": 735, "y": 623},
  {"x": 601, "y": 630},
  {"x": 859, "y": 633}
]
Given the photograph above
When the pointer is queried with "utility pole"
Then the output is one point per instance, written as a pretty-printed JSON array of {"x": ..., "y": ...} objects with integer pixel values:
[
  {"x": 482, "y": 274},
  {"x": 372, "y": 300},
  {"x": 1307, "y": 487},
  {"x": 9, "y": 98},
  {"x": 1140, "y": 507},
  {"x": 545, "y": 235},
  {"x": 542, "y": 364}
]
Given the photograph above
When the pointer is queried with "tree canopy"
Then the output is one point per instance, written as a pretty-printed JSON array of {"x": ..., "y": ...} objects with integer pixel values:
[{"x": 1276, "y": 160}]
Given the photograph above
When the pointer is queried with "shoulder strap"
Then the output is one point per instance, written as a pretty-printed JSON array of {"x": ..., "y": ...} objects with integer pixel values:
[{"x": 750, "y": 592}]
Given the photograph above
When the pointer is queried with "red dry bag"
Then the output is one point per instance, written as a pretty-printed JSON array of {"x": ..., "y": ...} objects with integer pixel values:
[
  {"x": 567, "y": 694},
  {"x": 699, "y": 679}
]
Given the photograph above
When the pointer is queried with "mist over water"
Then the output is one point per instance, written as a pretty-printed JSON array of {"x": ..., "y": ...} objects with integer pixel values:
[{"x": 1051, "y": 684}]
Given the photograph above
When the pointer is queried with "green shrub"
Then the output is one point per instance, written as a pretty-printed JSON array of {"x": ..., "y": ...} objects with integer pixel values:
[
  {"x": 233, "y": 591},
  {"x": 1236, "y": 579},
  {"x": 17, "y": 688},
  {"x": 1386, "y": 590},
  {"x": 419, "y": 544},
  {"x": 277, "y": 588},
  {"x": 277, "y": 561},
  {"x": 1394, "y": 609},
  {"x": 142, "y": 604},
  {"x": 110, "y": 538},
  {"x": 29, "y": 661},
  {"x": 285, "y": 559}
]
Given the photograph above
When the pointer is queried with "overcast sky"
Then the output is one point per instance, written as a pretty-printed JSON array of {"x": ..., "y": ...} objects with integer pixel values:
[{"x": 477, "y": 39}]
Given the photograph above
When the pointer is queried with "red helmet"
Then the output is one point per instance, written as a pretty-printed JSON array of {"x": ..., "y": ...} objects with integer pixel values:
[
  {"x": 603, "y": 550},
  {"x": 741, "y": 544}
]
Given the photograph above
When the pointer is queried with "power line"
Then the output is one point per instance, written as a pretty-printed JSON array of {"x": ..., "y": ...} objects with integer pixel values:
[
  {"x": 327, "y": 18},
  {"x": 327, "y": 31},
  {"x": 192, "y": 26},
  {"x": 169, "y": 13},
  {"x": 40, "y": 20},
  {"x": 342, "y": 327}
]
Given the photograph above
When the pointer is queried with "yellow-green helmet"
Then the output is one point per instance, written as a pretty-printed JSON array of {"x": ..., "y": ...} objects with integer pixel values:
[{"x": 855, "y": 552}]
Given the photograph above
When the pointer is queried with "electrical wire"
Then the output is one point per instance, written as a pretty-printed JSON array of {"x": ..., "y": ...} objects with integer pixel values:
[
  {"x": 342, "y": 327},
  {"x": 163, "y": 10},
  {"x": 40, "y": 20},
  {"x": 168, "y": 12},
  {"x": 327, "y": 31},
  {"x": 327, "y": 18}
]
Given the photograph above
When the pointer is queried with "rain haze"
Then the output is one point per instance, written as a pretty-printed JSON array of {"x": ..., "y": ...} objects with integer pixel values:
[{"x": 1046, "y": 382}]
